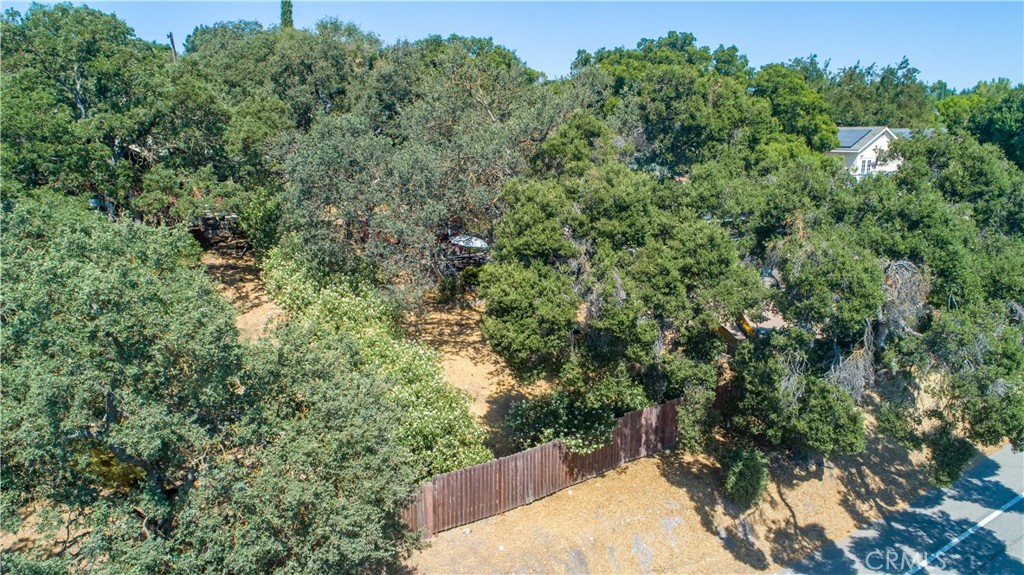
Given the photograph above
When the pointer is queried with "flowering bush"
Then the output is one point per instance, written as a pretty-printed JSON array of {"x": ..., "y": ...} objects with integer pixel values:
[{"x": 436, "y": 425}]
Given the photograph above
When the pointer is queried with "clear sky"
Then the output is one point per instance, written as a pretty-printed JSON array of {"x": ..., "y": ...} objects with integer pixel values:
[{"x": 960, "y": 43}]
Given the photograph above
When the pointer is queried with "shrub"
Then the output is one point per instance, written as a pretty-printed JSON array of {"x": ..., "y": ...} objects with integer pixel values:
[
  {"x": 447, "y": 290},
  {"x": 697, "y": 421},
  {"x": 828, "y": 420},
  {"x": 695, "y": 384},
  {"x": 469, "y": 279},
  {"x": 950, "y": 454},
  {"x": 113, "y": 473},
  {"x": 900, "y": 423},
  {"x": 435, "y": 422},
  {"x": 562, "y": 416},
  {"x": 531, "y": 312},
  {"x": 746, "y": 476}
]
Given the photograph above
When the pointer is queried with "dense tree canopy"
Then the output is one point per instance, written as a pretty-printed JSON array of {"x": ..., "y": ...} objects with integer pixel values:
[
  {"x": 636, "y": 210},
  {"x": 799, "y": 109},
  {"x": 871, "y": 95},
  {"x": 679, "y": 102},
  {"x": 131, "y": 409},
  {"x": 416, "y": 168},
  {"x": 600, "y": 273},
  {"x": 992, "y": 112}
]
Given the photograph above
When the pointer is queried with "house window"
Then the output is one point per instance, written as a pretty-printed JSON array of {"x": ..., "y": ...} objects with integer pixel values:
[{"x": 865, "y": 165}]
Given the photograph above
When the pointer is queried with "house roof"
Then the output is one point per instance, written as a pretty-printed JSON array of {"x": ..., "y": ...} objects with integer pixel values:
[
  {"x": 858, "y": 138},
  {"x": 907, "y": 133}
]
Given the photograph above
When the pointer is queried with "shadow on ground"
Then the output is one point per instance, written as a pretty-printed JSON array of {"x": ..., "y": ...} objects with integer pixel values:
[
  {"x": 894, "y": 543},
  {"x": 882, "y": 478},
  {"x": 454, "y": 331},
  {"x": 238, "y": 274}
]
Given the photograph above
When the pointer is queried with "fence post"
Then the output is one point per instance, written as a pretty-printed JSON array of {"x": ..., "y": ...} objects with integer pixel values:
[
  {"x": 428, "y": 509},
  {"x": 450, "y": 499}
]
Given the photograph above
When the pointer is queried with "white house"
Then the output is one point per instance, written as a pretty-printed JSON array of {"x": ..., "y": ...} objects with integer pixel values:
[{"x": 860, "y": 146}]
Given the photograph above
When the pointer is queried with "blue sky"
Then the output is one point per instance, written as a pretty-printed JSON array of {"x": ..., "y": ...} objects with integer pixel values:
[{"x": 960, "y": 43}]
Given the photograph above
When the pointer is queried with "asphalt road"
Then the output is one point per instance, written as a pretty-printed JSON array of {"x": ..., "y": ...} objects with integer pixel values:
[{"x": 976, "y": 526}]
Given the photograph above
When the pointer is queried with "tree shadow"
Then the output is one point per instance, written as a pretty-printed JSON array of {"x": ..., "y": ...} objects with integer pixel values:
[
  {"x": 237, "y": 274},
  {"x": 894, "y": 543},
  {"x": 698, "y": 479},
  {"x": 794, "y": 541},
  {"x": 974, "y": 487},
  {"x": 818, "y": 554},
  {"x": 905, "y": 530},
  {"x": 873, "y": 483},
  {"x": 881, "y": 478},
  {"x": 496, "y": 419},
  {"x": 453, "y": 329}
]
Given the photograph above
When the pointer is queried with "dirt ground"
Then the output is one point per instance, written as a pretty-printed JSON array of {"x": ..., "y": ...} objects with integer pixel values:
[
  {"x": 238, "y": 279},
  {"x": 655, "y": 515},
  {"x": 470, "y": 364},
  {"x": 664, "y": 515}
]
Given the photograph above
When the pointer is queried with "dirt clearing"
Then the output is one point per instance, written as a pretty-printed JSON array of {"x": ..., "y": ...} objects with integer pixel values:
[
  {"x": 238, "y": 279},
  {"x": 664, "y": 515},
  {"x": 470, "y": 364}
]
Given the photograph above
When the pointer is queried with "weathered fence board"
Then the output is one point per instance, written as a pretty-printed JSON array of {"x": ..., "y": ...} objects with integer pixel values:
[{"x": 474, "y": 493}]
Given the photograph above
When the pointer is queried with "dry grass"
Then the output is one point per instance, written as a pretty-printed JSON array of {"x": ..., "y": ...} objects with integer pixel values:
[
  {"x": 470, "y": 364},
  {"x": 238, "y": 279},
  {"x": 665, "y": 515},
  {"x": 655, "y": 515}
]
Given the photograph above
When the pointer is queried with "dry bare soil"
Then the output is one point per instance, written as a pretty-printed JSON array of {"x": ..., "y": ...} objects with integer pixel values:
[
  {"x": 470, "y": 364},
  {"x": 664, "y": 515},
  {"x": 655, "y": 515},
  {"x": 238, "y": 279}
]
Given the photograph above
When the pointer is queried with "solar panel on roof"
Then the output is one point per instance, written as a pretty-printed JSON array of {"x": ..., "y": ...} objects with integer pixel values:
[{"x": 847, "y": 138}]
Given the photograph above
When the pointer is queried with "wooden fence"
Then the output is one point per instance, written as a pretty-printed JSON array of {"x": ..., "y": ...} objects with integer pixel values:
[{"x": 474, "y": 493}]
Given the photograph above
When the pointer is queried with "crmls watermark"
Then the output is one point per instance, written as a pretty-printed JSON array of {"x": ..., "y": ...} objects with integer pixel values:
[{"x": 891, "y": 560}]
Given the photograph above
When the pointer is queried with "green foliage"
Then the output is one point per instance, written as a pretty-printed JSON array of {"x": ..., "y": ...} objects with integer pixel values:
[
  {"x": 112, "y": 472},
  {"x": 133, "y": 414},
  {"x": 582, "y": 411},
  {"x": 286, "y": 15},
  {"x": 829, "y": 421},
  {"x": 830, "y": 285},
  {"x": 323, "y": 479},
  {"x": 530, "y": 314},
  {"x": 415, "y": 168},
  {"x": 259, "y": 217},
  {"x": 90, "y": 83},
  {"x": 799, "y": 109},
  {"x": 993, "y": 112},
  {"x": 982, "y": 388},
  {"x": 695, "y": 382},
  {"x": 17, "y": 563},
  {"x": 967, "y": 174},
  {"x": 746, "y": 476},
  {"x": 125, "y": 384},
  {"x": 602, "y": 280},
  {"x": 898, "y": 422},
  {"x": 561, "y": 416},
  {"x": 579, "y": 144},
  {"x": 112, "y": 335},
  {"x": 434, "y": 424},
  {"x": 697, "y": 419},
  {"x": 780, "y": 405},
  {"x": 870, "y": 95},
  {"x": 949, "y": 455},
  {"x": 470, "y": 278},
  {"x": 687, "y": 102}
]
